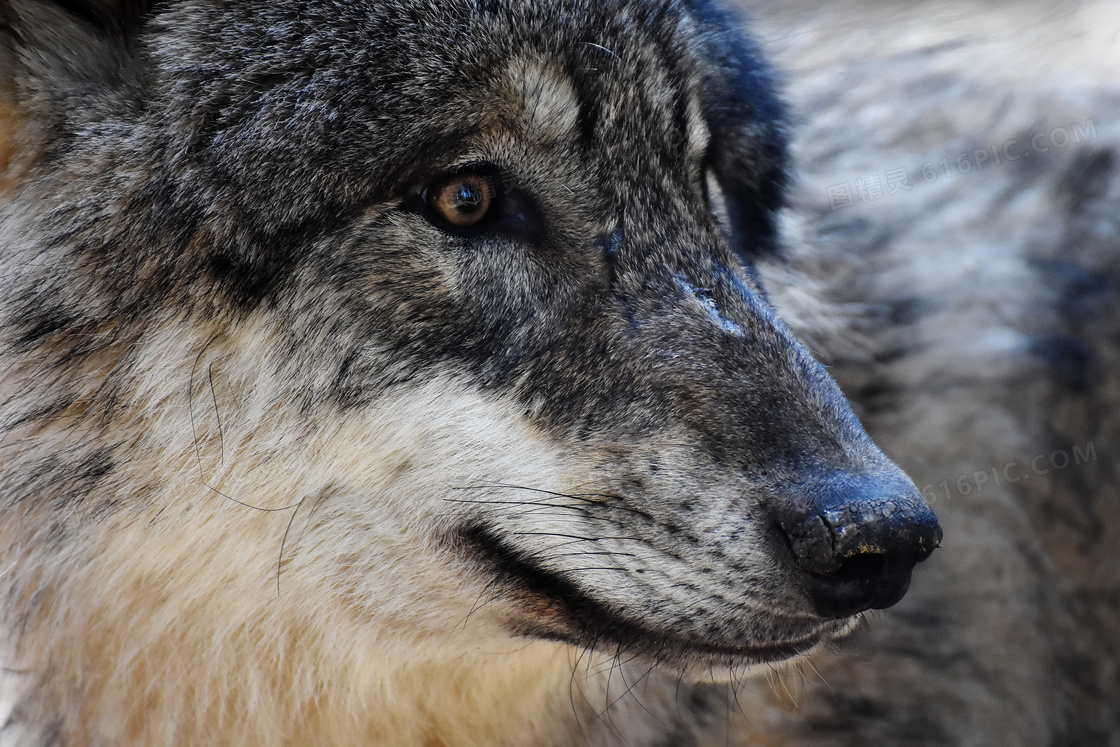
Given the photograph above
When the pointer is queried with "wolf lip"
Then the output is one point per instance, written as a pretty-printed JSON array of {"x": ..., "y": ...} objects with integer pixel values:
[
  {"x": 562, "y": 611},
  {"x": 763, "y": 653}
]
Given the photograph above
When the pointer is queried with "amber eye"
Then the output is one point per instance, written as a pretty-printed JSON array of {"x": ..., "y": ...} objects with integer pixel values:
[{"x": 461, "y": 200}]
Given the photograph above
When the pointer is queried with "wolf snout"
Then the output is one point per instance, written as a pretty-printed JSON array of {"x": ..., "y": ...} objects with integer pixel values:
[{"x": 855, "y": 540}]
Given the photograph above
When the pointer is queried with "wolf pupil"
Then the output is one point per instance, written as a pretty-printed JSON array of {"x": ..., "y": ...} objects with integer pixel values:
[
  {"x": 461, "y": 200},
  {"x": 465, "y": 200}
]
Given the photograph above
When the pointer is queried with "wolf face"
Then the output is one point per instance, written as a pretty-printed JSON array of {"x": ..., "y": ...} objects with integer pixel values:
[{"x": 427, "y": 323}]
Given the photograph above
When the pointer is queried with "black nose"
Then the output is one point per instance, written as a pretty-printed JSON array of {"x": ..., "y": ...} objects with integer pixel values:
[{"x": 856, "y": 538}]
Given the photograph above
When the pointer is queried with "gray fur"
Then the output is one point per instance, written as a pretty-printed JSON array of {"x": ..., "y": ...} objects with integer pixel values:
[{"x": 255, "y": 169}]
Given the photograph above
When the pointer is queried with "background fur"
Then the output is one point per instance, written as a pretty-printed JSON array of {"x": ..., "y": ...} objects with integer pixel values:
[{"x": 983, "y": 331}]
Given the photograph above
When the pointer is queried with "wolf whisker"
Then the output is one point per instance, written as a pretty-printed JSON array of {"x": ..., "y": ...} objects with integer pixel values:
[
  {"x": 198, "y": 450},
  {"x": 588, "y": 498}
]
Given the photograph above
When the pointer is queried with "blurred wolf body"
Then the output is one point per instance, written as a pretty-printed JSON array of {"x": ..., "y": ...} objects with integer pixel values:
[{"x": 959, "y": 193}]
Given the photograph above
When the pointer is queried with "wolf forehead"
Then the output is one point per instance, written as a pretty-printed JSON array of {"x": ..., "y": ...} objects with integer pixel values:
[{"x": 344, "y": 103}]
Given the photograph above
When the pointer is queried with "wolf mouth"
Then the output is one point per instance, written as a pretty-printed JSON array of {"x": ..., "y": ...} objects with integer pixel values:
[{"x": 560, "y": 610}]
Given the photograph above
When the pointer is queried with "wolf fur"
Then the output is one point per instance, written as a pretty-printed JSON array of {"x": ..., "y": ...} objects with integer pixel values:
[
  {"x": 282, "y": 461},
  {"x": 292, "y": 459}
]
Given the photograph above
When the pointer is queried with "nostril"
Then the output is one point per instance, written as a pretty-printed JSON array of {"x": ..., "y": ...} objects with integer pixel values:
[
  {"x": 861, "y": 569},
  {"x": 871, "y": 581}
]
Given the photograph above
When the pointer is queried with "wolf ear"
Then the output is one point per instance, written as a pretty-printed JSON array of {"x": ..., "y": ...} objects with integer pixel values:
[
  {"x": 748, "y": 122},
  {"x": 46, "y": 39},
  {"x": 110, "y": 17}
]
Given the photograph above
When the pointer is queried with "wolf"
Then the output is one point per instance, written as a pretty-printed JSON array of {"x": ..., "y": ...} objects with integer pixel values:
[
  {"x": 393, "y": 373},
  {"x": 397, "y": 373}
]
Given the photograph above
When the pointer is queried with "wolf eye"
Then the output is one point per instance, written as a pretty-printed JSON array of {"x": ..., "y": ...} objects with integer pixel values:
[
  {"x": 477, "y": 202},
  {"x": 460, "y": 200}
]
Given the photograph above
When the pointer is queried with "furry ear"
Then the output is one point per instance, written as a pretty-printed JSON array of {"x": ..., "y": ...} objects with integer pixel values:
[
  {"x": 10, "y": 119},
  {"x": 46, "y": 38},
  {"x": 747, "y": 118}
]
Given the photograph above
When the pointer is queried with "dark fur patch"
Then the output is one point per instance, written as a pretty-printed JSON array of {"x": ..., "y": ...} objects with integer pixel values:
[{"x": 115, "y": 17}]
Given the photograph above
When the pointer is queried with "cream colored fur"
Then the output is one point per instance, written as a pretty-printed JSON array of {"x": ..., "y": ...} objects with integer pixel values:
[
  {"x": 203, "y": 616},
  {"x": 234, "y": 497}
]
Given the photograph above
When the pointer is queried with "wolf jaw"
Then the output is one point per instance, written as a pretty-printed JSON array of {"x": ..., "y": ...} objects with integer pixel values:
[{"x": 266, "y": 397}]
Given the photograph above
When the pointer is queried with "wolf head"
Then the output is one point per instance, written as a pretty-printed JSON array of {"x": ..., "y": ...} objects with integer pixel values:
[{"x": 467, "y": 289}]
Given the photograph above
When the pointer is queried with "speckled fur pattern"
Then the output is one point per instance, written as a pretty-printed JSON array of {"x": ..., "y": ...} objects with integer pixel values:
[
  {"x": 284, "y": 463},
  {"x": 288, "y": 461}
]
